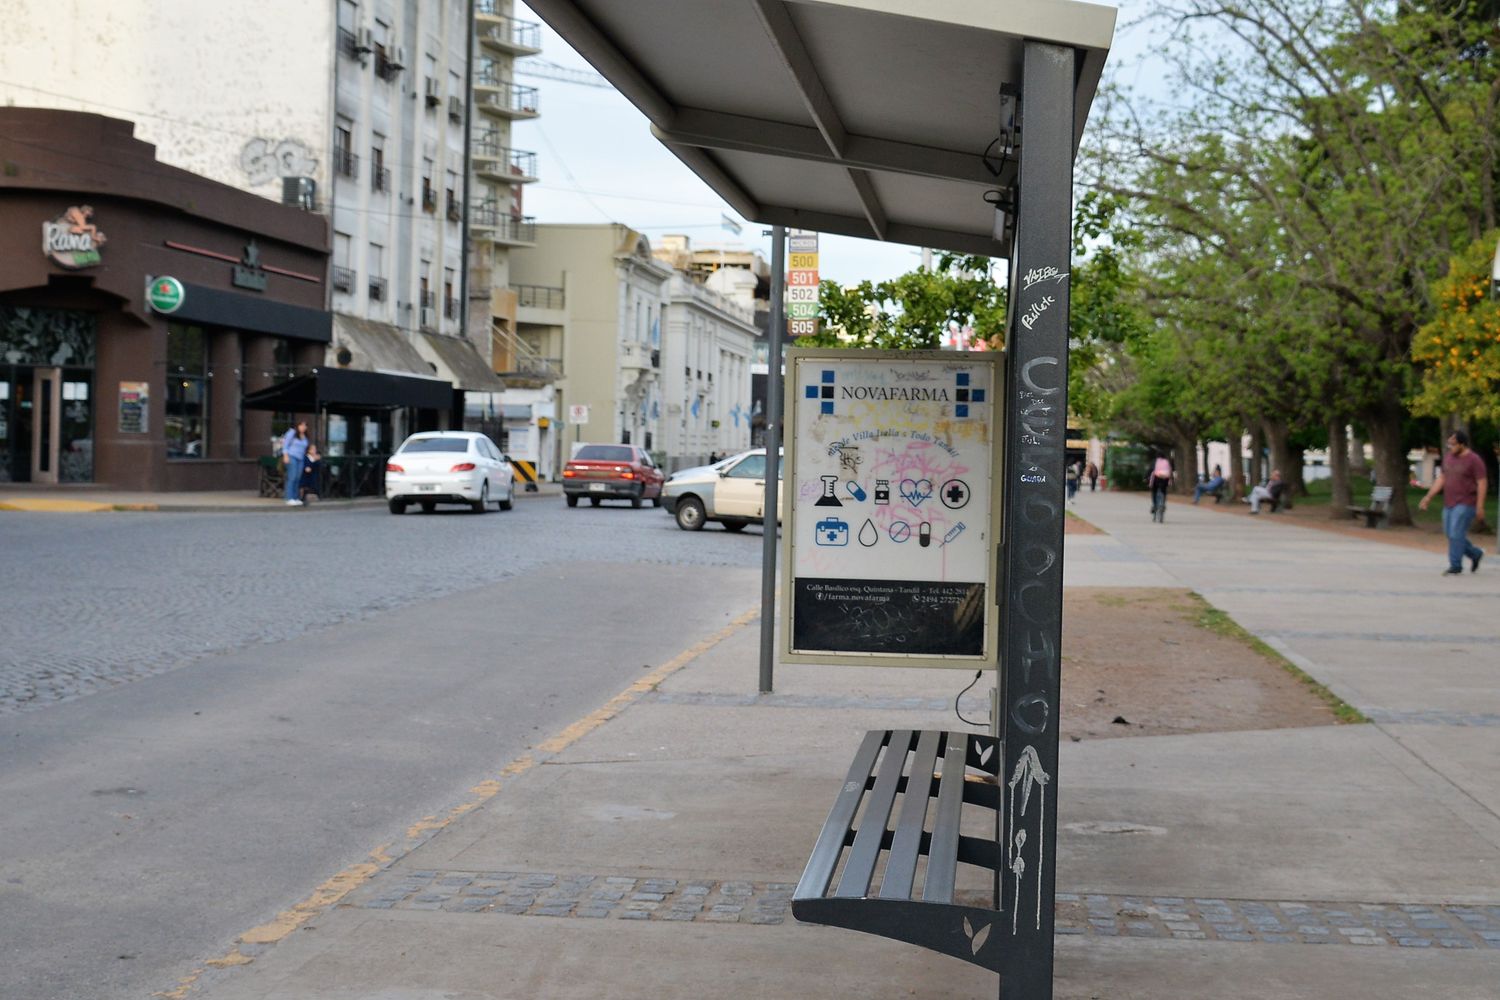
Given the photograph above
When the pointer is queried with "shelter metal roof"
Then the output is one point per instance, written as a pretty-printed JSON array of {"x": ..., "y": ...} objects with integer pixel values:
[{"x": 865, "y": 118}]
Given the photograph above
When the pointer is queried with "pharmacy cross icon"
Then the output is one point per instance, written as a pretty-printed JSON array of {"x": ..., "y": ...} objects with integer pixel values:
[
  {"x": 822, "y": 392},
  {"x": 955, "y": 494}
]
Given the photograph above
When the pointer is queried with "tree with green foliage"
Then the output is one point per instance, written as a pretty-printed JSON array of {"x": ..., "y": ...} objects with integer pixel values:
[
  {"x": 912, "y": 311},
  {"x": 1459, "y": 350}
]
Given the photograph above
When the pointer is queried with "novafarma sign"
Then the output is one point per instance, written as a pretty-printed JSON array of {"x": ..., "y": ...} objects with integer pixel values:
[{"x": 71, "y": 240}]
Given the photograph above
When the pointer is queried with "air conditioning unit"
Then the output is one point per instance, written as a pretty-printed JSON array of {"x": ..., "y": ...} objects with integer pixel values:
[
  {"x": 434, "y": 93},
  {"x": 455, "y": 109},
  {"x": 364, "y": 40},
  {"x": 301, "y": 192},
  {"x": 397, "y": 57}
]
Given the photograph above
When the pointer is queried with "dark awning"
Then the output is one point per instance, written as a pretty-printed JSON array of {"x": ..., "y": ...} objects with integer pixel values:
[{"x": 348, "y": 387}]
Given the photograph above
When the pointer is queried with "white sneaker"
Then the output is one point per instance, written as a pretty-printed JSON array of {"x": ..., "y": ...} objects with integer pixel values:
[{"x": 294, "y": 503}]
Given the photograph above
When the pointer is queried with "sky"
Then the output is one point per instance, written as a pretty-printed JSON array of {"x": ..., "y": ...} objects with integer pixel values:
[{"x": 599, "y": 163}]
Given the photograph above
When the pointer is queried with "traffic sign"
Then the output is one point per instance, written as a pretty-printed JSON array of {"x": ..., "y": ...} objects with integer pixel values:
[
  {"x": 164, "y": 294},
  {"x": 578, "y": 414}
]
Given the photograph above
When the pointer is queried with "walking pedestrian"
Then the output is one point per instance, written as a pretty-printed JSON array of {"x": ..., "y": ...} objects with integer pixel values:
[
  {"x": 1093, "y": 474},
  {"x": 293, "y": 457},
  {"x": 1159, "y": 481},
  {"x": 1463, "y": 482},
  {"x": 1071, "y": 476}
]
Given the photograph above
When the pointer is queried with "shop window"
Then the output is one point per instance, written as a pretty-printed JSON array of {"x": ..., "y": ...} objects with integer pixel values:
[
  {"x": 187, "y": 392},
  {"x": 76, "y": 449}
]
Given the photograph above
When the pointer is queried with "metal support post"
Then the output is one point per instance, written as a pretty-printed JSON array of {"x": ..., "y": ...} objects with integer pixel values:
[
  {"x": 775, "y": 335},
  {"x": 1036, "y": 400}
]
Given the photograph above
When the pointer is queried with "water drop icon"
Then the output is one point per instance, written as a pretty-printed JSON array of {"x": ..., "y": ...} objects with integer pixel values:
[{"x": 868, "y": 535}]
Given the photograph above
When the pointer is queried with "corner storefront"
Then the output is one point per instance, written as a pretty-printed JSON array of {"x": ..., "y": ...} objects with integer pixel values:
[{"x": 140, "y": 306}]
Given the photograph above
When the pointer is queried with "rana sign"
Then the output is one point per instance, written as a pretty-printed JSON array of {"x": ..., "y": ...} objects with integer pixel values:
[{"x": 71, "y": 240}]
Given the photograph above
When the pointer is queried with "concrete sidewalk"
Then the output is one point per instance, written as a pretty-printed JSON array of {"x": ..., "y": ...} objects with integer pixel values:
[
  {"x": 650, "y": 850},
  {"x": 90, "y": 499}
]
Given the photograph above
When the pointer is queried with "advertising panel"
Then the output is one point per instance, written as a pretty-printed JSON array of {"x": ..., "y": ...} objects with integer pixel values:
[{"x": 892, "y": 526}]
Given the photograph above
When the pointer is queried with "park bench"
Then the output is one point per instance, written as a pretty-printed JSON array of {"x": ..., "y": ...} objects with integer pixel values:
[
  {"x": 1379, "y": 510},
  {"x": 930, "y": 781}
]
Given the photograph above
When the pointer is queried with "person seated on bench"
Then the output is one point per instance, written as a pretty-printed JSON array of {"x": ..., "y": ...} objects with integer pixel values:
[
  {"x": 1272, "y": 490},
  {"x": 1211, "y": 486}
]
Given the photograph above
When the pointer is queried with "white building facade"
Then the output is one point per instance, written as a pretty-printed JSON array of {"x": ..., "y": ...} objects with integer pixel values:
[{"x": 707, "y": 351}]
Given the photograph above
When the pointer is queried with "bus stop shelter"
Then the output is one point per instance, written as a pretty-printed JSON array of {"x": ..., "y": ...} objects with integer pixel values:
[{"x": 950, "y": 124}]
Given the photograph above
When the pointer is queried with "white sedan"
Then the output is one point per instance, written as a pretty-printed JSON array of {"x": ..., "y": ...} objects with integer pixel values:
[{"x": 448, "y": 467}]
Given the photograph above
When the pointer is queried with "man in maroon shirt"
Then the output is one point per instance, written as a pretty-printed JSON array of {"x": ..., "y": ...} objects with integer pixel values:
[{"x": 1462, "y": 482}]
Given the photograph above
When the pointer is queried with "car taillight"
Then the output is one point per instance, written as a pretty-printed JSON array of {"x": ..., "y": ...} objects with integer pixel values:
[
  {"x": 570, "y": 473},
  {"x": 393, "y": 467},
  {"x": 627, "y": 474},
  {"x": 463, "y": 467}
]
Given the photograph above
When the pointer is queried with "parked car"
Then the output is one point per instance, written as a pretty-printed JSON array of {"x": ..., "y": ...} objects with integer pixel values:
[
  {"x": 448, "y": 467},
  {"x": 731, "y": 491},
  {"x": 612, "y": 472}
]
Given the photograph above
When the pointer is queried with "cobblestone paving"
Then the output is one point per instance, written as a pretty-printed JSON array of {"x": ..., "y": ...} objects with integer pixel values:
[
  {"x": 624, "y": 897},
  {"x": 110, "y": 598}
]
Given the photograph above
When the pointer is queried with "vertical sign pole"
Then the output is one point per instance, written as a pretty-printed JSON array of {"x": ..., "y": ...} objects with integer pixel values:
[
  {"x": 1036, "y": 398},
  {"x": 774, "y": 408}
]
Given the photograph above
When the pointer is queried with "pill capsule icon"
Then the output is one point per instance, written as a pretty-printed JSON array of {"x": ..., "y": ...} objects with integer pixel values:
[
  {"x": 856, "y": 491},
  {"x": 924, "y": 535}
]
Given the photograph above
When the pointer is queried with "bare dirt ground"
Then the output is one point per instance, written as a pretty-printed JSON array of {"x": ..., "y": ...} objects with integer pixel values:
[{"x": 1153, "y": 662}]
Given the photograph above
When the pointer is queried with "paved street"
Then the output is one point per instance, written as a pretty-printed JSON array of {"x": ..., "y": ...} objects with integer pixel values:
[
  {"x": 111, "y": 597},
  {"x": 205, "y": 716}
]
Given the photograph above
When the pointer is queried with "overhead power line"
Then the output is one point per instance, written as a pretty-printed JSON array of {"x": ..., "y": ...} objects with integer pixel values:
[{"x": 567, "y": 74}]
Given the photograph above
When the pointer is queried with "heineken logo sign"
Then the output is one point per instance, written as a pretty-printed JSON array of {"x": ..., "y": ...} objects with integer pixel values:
[{"x": 71, "y": 240}]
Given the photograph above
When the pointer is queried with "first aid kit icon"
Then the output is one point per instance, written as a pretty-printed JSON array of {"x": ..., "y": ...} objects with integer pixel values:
[{"x": 832, "y": 531}]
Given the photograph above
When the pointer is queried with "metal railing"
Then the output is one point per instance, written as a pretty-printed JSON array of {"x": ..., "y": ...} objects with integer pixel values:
[
  {"x": 504, "y": 225},
  {"x": 540, "y": 296},
  {"x": 345, "y": 163},
  {"x": 343, "y": 279},
  {"x": 510, "y": 32},
  {"x": 513, "y": 162},
  {"x": 377, "y": 289},
  {"x": 507, "y": 97},
  {"x": 380, "y": 179}
]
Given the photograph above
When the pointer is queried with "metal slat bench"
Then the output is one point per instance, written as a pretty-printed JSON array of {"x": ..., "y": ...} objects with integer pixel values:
[
  {"x": 925, "y": 779},
  {"x": 1379, "y": 511}
]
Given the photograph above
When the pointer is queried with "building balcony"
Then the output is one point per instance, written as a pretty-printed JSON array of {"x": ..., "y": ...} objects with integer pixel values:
[
  {"x": 504, "y": 98},
  {"x": 540, "y": 297},
  {"x": 503, "y": 33},
  {"x": 495, "y": 162},
  {"x": 378, "y": 289},
  {"x": 345, "y": 163},
  {"x": 638, "y": 355},
  {"x": 343, "y": 280},
  {"x": 489, "y": 222}
]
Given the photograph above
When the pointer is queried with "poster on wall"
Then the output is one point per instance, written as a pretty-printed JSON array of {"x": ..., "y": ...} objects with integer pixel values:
[
  {"x": 135, "y": 407},
  {"x": 892, "y": 525}
]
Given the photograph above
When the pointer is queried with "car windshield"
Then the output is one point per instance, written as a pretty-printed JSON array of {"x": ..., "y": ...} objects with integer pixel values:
[
  {"x": 604, "y": 453},
  {"x": 436, "y": 444}
]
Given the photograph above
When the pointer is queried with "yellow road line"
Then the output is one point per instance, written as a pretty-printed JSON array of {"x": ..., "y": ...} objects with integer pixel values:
[{"x": 341, "y": 885}]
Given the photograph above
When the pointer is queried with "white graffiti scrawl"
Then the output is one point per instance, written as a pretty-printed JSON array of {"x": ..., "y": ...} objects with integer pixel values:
[
  {"x": 263, "y": 160},
  {"x": 1027, "y": 776}
]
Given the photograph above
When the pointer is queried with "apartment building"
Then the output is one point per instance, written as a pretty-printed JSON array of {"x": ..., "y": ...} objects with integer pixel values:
[{"x": 358, "y": 110}]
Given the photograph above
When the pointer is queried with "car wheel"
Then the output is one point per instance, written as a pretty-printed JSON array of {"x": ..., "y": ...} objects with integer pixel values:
[
  {"x": 596, "y": 501},
  {"x": 656, "y": 500},
  {"x": 397, "y": 506},
  {"x": 690, "y": 514},
  {"x": 428, "y": 506},
  {"x": 572, "y": 500},
  {"x": 509, "y": 500},
  {"x": 735, "y": 525},
  {"x": 483, "y": 503}
]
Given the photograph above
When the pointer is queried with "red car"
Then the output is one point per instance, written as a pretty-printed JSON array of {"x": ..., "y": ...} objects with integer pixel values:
[{"x": 612, "y": 472}]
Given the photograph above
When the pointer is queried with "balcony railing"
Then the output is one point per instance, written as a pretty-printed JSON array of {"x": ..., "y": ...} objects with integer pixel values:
[
  {"x": 343, "y": 279},
  {"x": 429, "y": 199},
  {"x": 494, "y": 159},
  {"x": 345, "y": 163},
  {"x": 503, "y": 97},
  {"x": 540, "y": 296},
  {"x": 455, "y": 209},
  {"x": 377, "y": 289},
  {"x": 499, "y": 30},
  {"x": 450, "y": 307},
  {"x": 347, "y": 43},
  {"x": 501, "y": 225},
  {"x": 380, "y": 179}
]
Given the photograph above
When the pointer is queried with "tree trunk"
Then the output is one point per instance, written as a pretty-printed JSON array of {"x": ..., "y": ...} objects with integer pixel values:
[
  {"x": 1390, "y": 459},
  {"x": 1257, "y": 455},
  {"x": 1276, "y": 438},
  {"x": 1357, "y": 464},
  {"x": 1293, "y": 473},
  {"x": 1187, "y": 463},
  {"x": 1236, "y": 466},
  {"x": 1338, "y": 467}
]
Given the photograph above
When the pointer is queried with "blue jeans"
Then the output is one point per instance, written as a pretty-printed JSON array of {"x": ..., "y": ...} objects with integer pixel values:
[
  {"x": 1456, "y": 521},
  {"x": 293, "y": 478}
]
